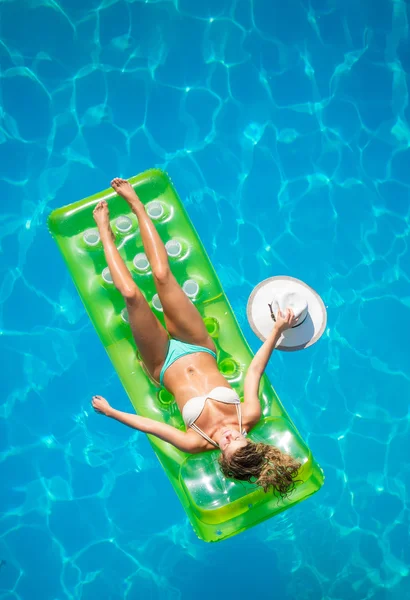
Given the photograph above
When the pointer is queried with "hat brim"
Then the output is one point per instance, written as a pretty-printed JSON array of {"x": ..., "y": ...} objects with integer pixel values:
[{"x": 296, "y": 338}]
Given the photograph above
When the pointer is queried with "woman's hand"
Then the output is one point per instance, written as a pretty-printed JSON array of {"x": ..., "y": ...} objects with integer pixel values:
[
  {"x": 100, "y": 405},
  {"x": 285, "y": 320}
]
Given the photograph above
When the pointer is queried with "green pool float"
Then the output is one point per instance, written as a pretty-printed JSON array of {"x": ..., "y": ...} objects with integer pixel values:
[{"x": 217, "y": 507}]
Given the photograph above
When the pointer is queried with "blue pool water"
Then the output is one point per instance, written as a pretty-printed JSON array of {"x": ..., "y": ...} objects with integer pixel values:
[{"x": 285, "y": 127}]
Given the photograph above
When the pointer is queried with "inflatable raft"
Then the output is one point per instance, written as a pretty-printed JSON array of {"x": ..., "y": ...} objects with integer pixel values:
[{"x": 217, "y": 508}]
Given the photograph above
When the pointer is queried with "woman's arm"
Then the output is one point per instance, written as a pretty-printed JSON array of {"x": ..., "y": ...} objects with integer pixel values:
[
  {"x": 180, "y": 439},
  {"x": 261, "y": 358},
  {"x": 257, "y": 367}
]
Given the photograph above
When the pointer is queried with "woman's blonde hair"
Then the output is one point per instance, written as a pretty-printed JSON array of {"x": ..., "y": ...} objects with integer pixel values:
[{"x": 264, "y": 465}]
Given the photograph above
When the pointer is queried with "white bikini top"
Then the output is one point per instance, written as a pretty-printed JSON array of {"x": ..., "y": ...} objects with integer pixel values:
[{"x": 194, "y": 407}]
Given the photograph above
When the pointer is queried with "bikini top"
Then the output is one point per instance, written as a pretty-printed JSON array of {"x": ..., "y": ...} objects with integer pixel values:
[{"x": 194, "y": 407}]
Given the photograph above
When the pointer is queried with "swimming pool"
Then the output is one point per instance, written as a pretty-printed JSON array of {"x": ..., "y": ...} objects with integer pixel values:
[{"x": 285, "y": 130}]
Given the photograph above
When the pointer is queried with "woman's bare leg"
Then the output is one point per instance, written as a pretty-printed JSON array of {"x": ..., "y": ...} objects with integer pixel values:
[
  {"x": 150, "y": 336},
  {"x": 182, "y": 319}
]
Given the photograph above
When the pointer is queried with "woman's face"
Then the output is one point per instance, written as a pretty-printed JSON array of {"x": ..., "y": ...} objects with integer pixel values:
[{"x": 231, "y": 440}]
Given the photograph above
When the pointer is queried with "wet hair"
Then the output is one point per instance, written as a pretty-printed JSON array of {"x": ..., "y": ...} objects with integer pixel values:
[{"x": 264, "y": 465}]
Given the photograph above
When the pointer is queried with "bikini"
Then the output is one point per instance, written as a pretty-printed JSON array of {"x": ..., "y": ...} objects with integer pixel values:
[
  {"x": 194, "y": 407},
  {"x": 177, "y": 349}
]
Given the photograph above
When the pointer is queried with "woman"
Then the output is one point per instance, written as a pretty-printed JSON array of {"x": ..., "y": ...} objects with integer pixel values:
[{"x": 186, "y": 365}]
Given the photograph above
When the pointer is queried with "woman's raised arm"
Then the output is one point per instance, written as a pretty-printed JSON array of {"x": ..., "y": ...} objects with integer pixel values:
[{"x": 258, "y": 365}]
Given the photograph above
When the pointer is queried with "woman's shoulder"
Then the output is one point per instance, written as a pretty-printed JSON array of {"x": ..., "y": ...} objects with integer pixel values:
[
  {"x": 250, "y": 416},
  {"x": 197, "y": 443}
]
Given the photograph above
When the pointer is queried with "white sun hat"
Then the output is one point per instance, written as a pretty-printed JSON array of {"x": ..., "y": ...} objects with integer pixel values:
[{"x": 282, "y": 292}]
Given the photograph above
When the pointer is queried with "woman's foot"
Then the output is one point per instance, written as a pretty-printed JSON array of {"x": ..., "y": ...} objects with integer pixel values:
[
  {"x": 125, "y": 189},
  {"x": 101, "y": 216}
]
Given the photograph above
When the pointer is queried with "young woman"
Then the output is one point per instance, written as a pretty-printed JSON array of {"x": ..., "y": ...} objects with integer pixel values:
[{"x": 186, "y": 365}]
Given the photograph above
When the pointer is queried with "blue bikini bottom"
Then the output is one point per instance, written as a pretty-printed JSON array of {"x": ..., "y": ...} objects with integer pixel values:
[{"x": 176, "y": 349}]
